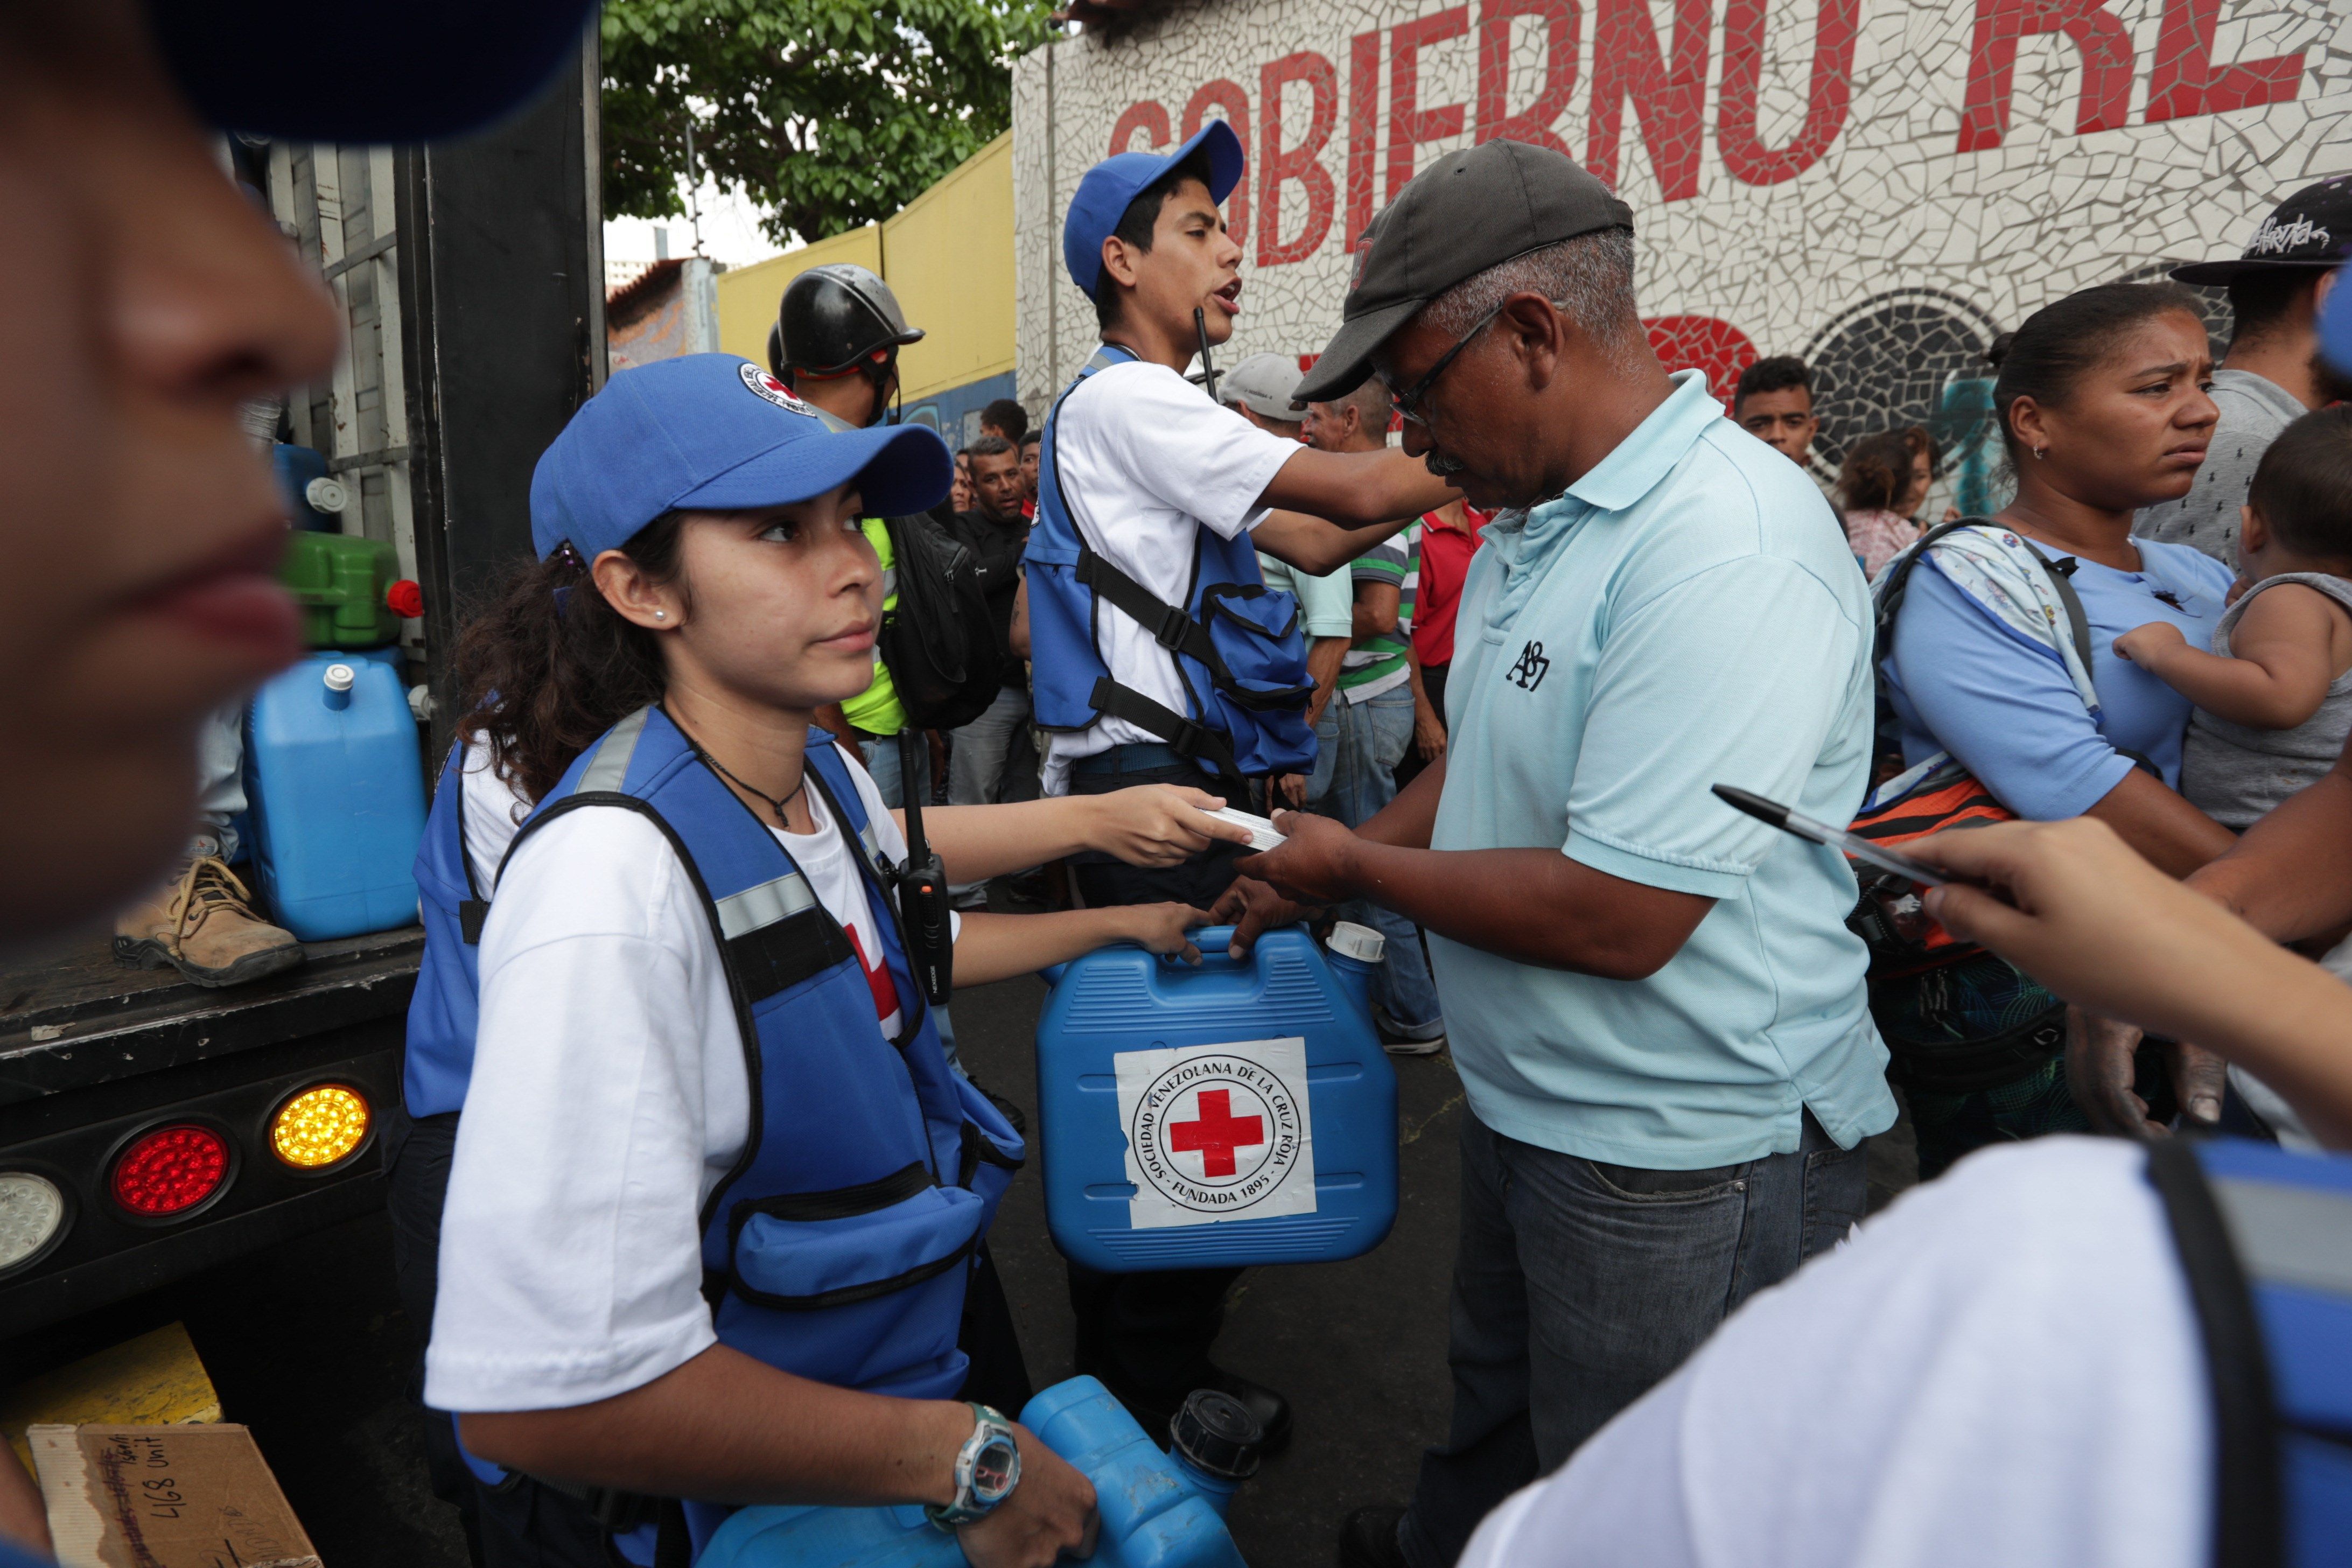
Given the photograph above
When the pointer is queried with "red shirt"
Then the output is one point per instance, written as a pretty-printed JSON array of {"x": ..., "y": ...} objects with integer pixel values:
[{"x": 1445, "y": 562}]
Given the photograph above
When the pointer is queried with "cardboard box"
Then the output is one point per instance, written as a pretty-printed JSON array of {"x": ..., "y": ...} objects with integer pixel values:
[{"x": 164, "y": 1497}]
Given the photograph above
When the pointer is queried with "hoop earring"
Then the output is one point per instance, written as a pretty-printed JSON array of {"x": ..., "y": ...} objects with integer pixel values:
[{"x": 2039, "y": 453}]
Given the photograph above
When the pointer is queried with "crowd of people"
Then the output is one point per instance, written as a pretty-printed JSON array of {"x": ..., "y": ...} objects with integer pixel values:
[{"x": 1480, "y": 604}]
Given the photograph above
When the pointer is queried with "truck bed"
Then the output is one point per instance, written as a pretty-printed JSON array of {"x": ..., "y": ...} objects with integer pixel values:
[{"x": 72, "y": 1016}]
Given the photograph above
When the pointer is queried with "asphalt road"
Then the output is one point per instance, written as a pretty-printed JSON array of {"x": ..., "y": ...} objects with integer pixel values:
[{"x": 307, "y": 1345}]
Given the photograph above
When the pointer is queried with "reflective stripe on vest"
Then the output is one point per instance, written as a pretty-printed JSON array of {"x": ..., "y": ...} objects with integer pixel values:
[
  {"x": 2265, "y": 1243},
  {"x": 1245, "y": 693}
]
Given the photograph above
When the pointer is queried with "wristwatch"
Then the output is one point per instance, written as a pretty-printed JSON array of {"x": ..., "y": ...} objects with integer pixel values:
[{"x": 987, "y": 1468}]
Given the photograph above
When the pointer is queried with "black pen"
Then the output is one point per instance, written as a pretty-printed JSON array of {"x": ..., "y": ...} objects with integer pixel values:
[{"x": 1853, "y": 843}]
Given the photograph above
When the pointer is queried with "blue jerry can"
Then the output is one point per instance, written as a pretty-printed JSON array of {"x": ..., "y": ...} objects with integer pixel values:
[
  {"x": 336, "y": 795},
  {"x": 1159, "y": 1510},
  {"x": 1226, "y": 1114}
]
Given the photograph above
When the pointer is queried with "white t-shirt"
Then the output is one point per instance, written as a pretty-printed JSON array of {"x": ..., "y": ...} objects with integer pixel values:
[
  {"x": 2003, "y": 1368},
  {"x": 493, "y": 813},
  {"x": 1146, "y": 460},
  {"x": 608, "y": 1098}
]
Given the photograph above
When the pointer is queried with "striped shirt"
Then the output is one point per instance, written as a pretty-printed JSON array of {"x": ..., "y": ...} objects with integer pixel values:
[{"x": 1376, "y": 664}]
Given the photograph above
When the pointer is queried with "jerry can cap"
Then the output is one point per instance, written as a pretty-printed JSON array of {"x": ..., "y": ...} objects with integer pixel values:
[
  {"x": 339, "y": 677},
  {"x": 1217, "y": 1433},
  {"x": 1359, "y": 943}
]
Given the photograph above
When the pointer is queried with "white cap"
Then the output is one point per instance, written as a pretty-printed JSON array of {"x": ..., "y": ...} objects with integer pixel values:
[
  {"x": 339, "y": 677},
  {"x": 1361, "y": 943},
  {"x": 325, "y": 495},
  {"x": 1264, "y": 382}
]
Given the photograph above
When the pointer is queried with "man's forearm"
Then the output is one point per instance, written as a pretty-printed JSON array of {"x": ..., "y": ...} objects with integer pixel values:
[
  {"x": 1535, "y": 905},
  {"x": 1324, "y": 657},
  {"x": 1357, "y": 489},
  {"x": 1315, "y": 545},
  {"x": 2290, "y": 876},
  {"x": 1408, "y": 821},
  {"x": 730, "y": 1429}
]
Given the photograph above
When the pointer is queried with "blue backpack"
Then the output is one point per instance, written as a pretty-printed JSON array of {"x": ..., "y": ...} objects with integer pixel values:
[
  {"x": 2265, "y": 1241},
  {"x": 1235, "y": 643}
]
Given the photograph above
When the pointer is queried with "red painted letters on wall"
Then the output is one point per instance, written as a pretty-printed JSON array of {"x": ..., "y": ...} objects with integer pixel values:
[
  {"x": 1278, "y": 165},
  {"x": 1533, "y": 124},
  {"x": 1827, "y": 99},
  {"x": 1669, "y": 92}
]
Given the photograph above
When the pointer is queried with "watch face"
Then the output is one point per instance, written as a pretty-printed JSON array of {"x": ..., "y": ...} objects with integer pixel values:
[{"x": 995, "y": 1467}]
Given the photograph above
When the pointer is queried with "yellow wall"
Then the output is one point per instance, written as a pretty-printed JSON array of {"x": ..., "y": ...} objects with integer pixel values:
[{"x": 947, "y": 256}]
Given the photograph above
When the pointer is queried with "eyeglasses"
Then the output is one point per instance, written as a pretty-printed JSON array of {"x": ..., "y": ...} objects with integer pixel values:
[{"x": 1409, "y": 401}]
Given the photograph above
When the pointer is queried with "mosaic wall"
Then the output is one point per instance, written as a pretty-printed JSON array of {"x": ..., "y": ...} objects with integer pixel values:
[{"x": 1878, "y": 187}]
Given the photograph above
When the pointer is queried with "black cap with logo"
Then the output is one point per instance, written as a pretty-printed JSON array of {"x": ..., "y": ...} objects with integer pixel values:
[
  {"x": 2312, "y": 227},
  {"x": 1464, "y": 214}
]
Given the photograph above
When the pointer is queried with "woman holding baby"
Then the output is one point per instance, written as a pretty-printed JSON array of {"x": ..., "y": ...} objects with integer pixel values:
[{"x": 2102, "y": 399}]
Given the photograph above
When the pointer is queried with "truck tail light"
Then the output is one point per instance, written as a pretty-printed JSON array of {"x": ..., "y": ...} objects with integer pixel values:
[
  {"x": 31, "y": 1210},
  {"x": 320, "y": 1126},
  {"x": 170, "y": 1170}
]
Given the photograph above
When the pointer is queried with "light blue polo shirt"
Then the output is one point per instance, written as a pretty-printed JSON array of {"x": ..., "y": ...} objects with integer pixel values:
[
  {"x": 1326, "y": 605},
  {"x": 1688, "y": 614}
]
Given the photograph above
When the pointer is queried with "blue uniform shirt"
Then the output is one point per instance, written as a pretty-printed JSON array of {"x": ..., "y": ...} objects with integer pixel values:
[
  {"x": 1961, "y": 681},
  {"x": 1688, "y": 614}
]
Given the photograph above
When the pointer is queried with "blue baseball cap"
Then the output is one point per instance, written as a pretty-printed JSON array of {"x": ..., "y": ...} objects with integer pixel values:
[
  {"x": 714, "y": 433},
  {"x": 2336, "y": 326},
  {"x": 364, "y": 70},
  {"x": 1106, "y": 189}
]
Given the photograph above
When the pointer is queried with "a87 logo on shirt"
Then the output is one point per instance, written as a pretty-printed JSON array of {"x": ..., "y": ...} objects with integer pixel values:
[{"x": 1217, "y": 1133}]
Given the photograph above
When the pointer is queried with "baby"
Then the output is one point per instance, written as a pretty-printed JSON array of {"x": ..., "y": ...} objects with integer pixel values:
[{"x": 2274, "y": 697}]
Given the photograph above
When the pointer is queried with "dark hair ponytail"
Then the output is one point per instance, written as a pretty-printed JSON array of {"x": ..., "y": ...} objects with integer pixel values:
[
  {"x": 548, "y": 665},
  {"x": 2059, "y": 344},
  {"x": 1877, "y": 473}
]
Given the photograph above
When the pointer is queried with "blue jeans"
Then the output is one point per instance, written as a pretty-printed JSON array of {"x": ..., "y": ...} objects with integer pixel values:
[
  {"x": 978, "y": 753},
  {"x": 882, "y": 762},
  {"x": 1373, "y": 737},
  {"x": 1578, "y": 1285}
]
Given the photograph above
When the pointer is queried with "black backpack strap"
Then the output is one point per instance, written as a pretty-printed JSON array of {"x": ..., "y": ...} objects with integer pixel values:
[
  {"x": 1898, "y": 577},
  {"x": 2249, "y": 1509},
  {"x": 1170, "y": 624},
  {"x": 1185, "y": 737}
]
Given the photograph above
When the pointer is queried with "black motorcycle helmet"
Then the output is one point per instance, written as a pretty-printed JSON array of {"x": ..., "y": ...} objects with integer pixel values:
[{"x": 836, "y": 318}]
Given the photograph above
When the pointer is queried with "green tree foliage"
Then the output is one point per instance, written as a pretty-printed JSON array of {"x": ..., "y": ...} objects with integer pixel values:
[{"x": 830, "y": 113}]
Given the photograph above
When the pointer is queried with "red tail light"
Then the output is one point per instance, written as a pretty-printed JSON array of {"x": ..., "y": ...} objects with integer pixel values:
[{"x": 170, "y": 1170}]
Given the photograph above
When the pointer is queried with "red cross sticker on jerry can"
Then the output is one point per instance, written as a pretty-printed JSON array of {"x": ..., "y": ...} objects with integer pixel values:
[
  {"x": 1228, "y": 1113},
  {"x": 1216, "y": 1134}
]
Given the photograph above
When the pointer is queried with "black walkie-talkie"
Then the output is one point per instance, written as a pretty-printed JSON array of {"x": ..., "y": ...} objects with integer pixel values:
[
  {"x": 923, "y": 885},
  {"x": 1208, "y": 373}
]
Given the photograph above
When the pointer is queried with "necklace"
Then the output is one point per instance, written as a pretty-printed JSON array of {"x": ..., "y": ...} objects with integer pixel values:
[{"x": 774, "y": 803}]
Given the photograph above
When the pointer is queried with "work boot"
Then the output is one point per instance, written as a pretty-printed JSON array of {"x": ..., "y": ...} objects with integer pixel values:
[{"x": 203, "y": 924}]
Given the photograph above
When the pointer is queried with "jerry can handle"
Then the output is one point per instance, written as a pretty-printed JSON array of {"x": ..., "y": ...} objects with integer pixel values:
[{"x": 1212, "y": 941}]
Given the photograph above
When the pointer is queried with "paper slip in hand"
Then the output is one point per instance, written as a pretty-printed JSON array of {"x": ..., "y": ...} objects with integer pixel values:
[{"x": 1262, "y": 834}]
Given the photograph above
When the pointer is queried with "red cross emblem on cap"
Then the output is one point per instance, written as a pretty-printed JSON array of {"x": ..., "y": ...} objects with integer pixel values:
[{"x": 1217, "y": 1133}]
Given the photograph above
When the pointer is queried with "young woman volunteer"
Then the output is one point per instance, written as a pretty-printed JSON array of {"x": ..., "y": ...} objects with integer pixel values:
[{"x": 716, "y": 1191}]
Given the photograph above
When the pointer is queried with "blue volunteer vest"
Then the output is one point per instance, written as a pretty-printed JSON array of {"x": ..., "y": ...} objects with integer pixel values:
[
  {"x": 1236, "y": 644},
  {"x": 445, "y": 1008},
  {"x": 839, "y": 1246},
  {"x": 2265, "y": 1242}
]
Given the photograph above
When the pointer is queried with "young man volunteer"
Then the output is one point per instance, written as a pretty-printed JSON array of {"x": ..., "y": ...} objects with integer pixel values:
[
  {"x": 1140, "y": 584},
  {"x": 1657, "y": 1011}
]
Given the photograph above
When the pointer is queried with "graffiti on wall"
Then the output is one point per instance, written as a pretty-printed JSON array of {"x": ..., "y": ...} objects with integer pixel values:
[{"x": 1879, "y": 187}]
